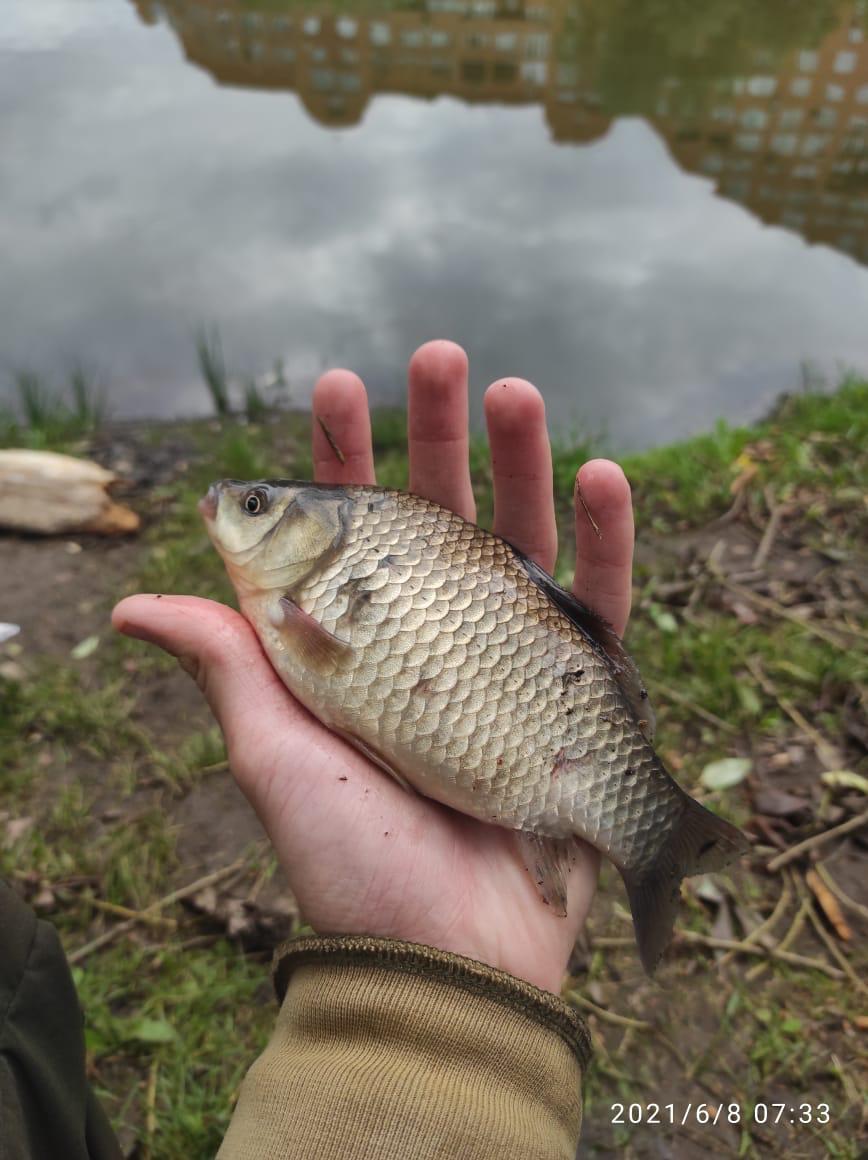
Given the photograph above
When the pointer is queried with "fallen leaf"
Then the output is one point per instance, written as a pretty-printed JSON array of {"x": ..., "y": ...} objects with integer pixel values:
[
  {"x": 723, "y": 927},
  {"x": 829, "y": 904},
  {"x": 861, "y": 1021},
  {"x": 7, "y": 631},
  {"x": 706, "y": 888},
  {"x": 777, "y": 803},
  {"x": 750, "y": 701},
  {"x": 44, "y": 900},
  {"x": 152, "y": 1031},
  {"x": 845, "y": 779},
  {"x": 17, "y": 827},
  {"x": 748, "y": 470},
  {"x": 743, "y": 612},
  {"x": 664, "y": 619},
  {"x": 85, "y": 648},
  {"x": 727, "y": 772}
]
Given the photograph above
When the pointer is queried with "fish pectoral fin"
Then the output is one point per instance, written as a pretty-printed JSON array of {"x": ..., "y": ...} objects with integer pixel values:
[
  {"x": 318, "y": 648},
  {"x": 375, "y": 757},
  {"x": 548, "y": 861}
]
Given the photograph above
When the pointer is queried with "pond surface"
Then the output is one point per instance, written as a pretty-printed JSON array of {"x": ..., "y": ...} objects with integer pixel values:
[{"x": 658, "y": 212}]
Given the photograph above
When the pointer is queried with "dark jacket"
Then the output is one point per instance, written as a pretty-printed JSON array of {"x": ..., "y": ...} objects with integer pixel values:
[{"x": 47, "y": 1110}]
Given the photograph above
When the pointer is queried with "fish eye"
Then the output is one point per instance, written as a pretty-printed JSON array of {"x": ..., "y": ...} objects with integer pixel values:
[{"x": 255, "y": 502}]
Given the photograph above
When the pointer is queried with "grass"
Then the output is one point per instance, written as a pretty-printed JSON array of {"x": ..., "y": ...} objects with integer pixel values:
[
  {"x": 50, "y": 419},
  {"x": 174, "y": 1017},
  {"x": 806, "y": 443},
  {"x": 212, "y": 367}
]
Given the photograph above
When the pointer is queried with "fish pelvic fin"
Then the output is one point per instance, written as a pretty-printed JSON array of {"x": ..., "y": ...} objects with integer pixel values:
[
  {"x": 548, "y": 861},
  {"x": 698, "y": 843}
]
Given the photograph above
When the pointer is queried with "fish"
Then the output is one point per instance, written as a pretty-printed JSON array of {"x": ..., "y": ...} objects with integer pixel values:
[{"x": 466, "y": 672}]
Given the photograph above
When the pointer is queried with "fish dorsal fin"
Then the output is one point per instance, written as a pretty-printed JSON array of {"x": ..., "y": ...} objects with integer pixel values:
[{"x": 601, "y": 634}]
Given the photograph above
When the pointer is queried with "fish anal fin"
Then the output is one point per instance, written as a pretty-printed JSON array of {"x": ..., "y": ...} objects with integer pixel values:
[
  {"x": 699, "y": 842},
  {"x": 375, "y": 757},
  {"x": 548, "y": 861},
  {"x": 602, "y": 634},
  {"x": 319, "y": 649}
]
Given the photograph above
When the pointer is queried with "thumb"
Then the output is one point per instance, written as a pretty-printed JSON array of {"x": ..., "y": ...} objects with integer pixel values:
[{"x": 220, "y": 650}]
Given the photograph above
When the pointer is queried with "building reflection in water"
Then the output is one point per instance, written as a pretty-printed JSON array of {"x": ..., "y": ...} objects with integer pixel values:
[{"x": 773, "y": 109}]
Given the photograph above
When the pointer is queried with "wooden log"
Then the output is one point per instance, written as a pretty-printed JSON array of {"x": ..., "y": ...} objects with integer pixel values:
[{"x": 49, "y": 494}]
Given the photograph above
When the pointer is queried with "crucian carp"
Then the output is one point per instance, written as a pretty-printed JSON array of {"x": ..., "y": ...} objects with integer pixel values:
[{"x": 466, "y": 672}]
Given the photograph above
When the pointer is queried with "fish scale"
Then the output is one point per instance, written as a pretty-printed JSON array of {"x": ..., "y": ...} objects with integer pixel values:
[
  {"x": 523, "y": 645},
  {"x": 468, "y": 673}
]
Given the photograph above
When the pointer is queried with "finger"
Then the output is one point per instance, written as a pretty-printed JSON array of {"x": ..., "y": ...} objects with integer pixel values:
[
  {"x": 521, "y": 462},
  {"x": 340, "y": 404},
  {"x": 437, "y": 427},
  {"x": 604, "y": 562},
  {"x": 220, "y": 650}
]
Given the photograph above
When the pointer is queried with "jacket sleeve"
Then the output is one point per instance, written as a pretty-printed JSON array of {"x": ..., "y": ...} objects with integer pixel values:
[
  {"x": 384, "y": 1050},
  {"x": 46, "y": 1105}
]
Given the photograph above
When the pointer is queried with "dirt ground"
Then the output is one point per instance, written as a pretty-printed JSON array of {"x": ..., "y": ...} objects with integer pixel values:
[{"x": 678, "y": 1040}]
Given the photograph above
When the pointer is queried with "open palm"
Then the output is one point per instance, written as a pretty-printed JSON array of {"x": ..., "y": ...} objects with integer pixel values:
[{"x": 362, "y": 855}]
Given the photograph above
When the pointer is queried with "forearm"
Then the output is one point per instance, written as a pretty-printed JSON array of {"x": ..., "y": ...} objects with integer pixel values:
[{"x": 386, "y": 1050}]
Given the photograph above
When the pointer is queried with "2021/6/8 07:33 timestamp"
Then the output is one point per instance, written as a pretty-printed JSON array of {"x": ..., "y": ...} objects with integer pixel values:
[{"x": 712, "y": 1114}]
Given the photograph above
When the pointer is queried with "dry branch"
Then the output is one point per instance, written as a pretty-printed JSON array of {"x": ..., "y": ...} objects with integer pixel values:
[
  {"x": 176, "y": 896},
  {"x": 848, "y": 827}
]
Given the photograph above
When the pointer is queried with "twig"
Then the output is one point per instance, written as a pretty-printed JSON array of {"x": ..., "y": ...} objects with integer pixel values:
[
  {"x": 767, "y": 925},
  {"x": 680, "y": 699},
  {"x": 580, "y": 497},
  {"x": 835, "y": 951},
  {"x": 790, "y": 937},
  {"x": 609, "y": 1016},
  {"x": 101, "y": 940},
  {"x": 606, "y": 941},
  {"x": 776, "y": 513},
  {"x": 215, "y": 767},
  {"x": 787, "y": 856},
  {"x": 829, "y": 756},
  {"x": 746, "y": 948},
  {"x": 151, "y": 1108},
  {"x": 626, "y": 1042},
  {"x": 332, "y": 441},
  {"x": 843, "y": 898},
  {"x": 603, "y": 1062},
  {"x": 733, "y": 512},
  {"x": 134, "y": 915},
  {"x": 155, "y": 907},
  {"x": 780, "y": 610},
  {"x": 851, "y": 1090}
]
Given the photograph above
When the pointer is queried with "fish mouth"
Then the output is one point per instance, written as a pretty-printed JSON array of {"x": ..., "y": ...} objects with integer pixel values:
[{"x": 208, "y": 503}]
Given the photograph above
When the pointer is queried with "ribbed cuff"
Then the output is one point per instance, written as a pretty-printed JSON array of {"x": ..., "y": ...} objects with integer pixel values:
[
  {"x": 466, "y": 974},
  {"x": 386, "y": 1050}
]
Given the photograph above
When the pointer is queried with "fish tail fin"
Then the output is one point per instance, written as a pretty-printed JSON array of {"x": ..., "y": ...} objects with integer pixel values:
[{"x": 699, "y": 842}]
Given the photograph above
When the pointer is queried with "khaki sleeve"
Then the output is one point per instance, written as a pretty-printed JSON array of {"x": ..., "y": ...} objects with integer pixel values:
[{"x": 386, "y": 1050}]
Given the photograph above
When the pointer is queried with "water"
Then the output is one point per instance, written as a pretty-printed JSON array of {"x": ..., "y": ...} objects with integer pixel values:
[{"x": 657, "y": 212}]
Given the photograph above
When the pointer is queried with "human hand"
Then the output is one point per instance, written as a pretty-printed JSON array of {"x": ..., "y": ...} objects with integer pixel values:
[{"x": 361, "y": 854}]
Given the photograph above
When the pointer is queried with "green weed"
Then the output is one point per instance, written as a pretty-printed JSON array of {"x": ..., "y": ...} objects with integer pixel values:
[
  {"x": 53, "y": 419},
  {"x": 212, "y": 367}
]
